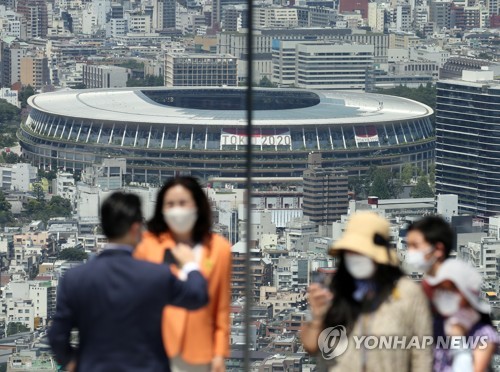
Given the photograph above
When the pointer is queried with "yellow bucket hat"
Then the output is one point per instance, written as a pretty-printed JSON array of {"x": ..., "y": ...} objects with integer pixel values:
[{"x": 368, "y": 234}]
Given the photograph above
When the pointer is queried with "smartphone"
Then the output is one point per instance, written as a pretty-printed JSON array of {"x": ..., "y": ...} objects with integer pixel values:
[
  {"x": 169, "y": 258},
  {"x": 319, "y": 277}
]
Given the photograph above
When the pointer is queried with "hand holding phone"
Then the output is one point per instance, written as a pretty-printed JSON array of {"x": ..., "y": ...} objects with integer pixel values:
[
  {"x": 169, "y": 258},
  {"x": 183, "y": 254}
]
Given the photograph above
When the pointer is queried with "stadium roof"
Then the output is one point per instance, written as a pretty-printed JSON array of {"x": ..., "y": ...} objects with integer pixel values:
[{"x": 133, "y": 105}]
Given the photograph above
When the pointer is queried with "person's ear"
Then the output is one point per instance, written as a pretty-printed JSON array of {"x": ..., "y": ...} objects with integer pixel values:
[
  {"x": 439, "y": 251},
  {"x": 135, "y": 228}
]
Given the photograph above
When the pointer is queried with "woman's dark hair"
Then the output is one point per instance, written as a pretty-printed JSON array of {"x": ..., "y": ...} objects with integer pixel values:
[
  {"x": 201, "y": 229},
  {"x": 345, "y": 310}
]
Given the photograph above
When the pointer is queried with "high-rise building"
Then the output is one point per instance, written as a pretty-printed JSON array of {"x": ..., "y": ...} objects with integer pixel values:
[
  {"x": 403, "y": 17},
  {"x": 439, "y": 13},
  {"x": 467, "y": 157},
  {"x": 11, "y": 63},
  {"x": 183, "y": 69},
  {"x": 34, "y": 71},
  {"x": 325, "y": 192},
  {"x": 35, "y": 13},
  {"x": 169, "y": 9}
]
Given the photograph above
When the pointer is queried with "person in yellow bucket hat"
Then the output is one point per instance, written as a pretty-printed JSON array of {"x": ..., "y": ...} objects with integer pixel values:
[{"x": 365, "y": 318}]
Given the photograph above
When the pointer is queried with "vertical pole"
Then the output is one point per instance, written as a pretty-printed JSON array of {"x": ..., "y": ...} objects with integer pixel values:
[{"x": 249, "y": 110}]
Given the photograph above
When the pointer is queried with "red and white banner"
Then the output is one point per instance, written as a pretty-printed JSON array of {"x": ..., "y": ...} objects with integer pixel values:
[{"x": 366, "y": 134}]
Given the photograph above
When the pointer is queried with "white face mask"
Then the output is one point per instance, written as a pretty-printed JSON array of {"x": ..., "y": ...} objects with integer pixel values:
[
  {"x": 359, "y": 266},
  {"x": 447, "y": 303},
  {"x": 180, "y": 220},
  {"x": 415, "y": 258}
]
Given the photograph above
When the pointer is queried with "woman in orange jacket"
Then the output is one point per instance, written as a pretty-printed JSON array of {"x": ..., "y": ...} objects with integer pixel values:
[{"x": 194, "y": 340}]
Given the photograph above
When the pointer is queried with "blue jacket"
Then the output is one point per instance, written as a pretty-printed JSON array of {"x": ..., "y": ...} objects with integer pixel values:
[{"x": 116, "y": 304}]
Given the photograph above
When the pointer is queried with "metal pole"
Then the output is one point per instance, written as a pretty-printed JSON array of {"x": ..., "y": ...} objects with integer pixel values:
[{"x": 249, "y": 109}]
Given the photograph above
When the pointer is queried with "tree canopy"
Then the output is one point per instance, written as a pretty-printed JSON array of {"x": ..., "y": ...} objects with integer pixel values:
[
  {"x": 423, "y": 94},
  {"x": 422, "y": 189},
  {"x": 13, "y": 328},
  {"x": 380, "y": 182},
  {"x": 10, "y": 117},
  {"x": 72, "y": 254},
  {"x": 5, "y": 210},
  {"x": 25, "y": 93},
  {"x": 40, "y": 209},
  {"x": 148, "y": 81}
]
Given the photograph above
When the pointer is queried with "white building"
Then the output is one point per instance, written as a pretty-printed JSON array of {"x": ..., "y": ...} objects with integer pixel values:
[
  {"x": 43, "y": 298},
  {"x": 100, "y": 76},
  {"x": 262, "y": 224},
  {"x": 298, "y": 233},
  {"x": 483, "y": 256},
  {"x": 11, "y": 96},
  {"x": 17, "y": 177},
  {"x": 322, "y": 65},
  {"x": 429, "y": 53},
  {"x": 376, "y": 16},
  {"x": 139, "y": 24},
  {"x": 184, "y": 69},
  {"x": 274, "y": 17},
  {"x": 65, "y": 186},
  {"x": 116, "y": 27},
  {"x": 447, "y": 206},
  {"x": 20, "y": 311}
]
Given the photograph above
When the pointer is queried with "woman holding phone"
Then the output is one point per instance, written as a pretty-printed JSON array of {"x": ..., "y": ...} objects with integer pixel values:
[{"x": 194, "y": 340}]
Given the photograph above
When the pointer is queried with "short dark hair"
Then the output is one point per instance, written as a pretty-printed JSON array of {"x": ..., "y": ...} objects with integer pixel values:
[
  {"x": 435, "y": 230},
  {"x": 118, "y": 213},
  {"x": 202, "y": 227}
]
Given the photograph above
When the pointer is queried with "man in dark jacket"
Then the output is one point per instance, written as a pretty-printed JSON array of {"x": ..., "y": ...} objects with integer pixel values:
[{"x": 115, "y": 302}]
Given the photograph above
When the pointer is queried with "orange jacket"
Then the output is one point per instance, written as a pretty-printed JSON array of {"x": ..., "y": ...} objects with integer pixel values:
[{"x": 197, "y": 336}]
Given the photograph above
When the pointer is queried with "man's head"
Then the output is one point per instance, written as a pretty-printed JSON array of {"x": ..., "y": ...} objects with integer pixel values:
[
  {"x": 121, "y": 218},
  {"x": 429, "y": 242}
]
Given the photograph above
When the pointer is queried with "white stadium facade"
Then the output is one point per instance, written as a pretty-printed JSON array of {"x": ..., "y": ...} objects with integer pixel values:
[{"x": 201, "y": 131}]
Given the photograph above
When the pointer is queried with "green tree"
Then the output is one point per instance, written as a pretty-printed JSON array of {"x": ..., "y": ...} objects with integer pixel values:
[
  {"x": 148, "y": 81},
  {"x": 26, "y": 92},
  {"x": 266, "y": 83},
  {"x": 380, "y": 185},
  {"x": 10, "y": 157},
  {"x": 72, "y": 254},
  {"x": 432, "y": 174},
  {"x": 49, "y": 174},
  {"x": 38, "y": 192},
  {"x": 131, "y": 64},
  {"x": 59, "y": 207},
  {"x": 13, "y": 328},
  {"x": 80, "y": 86},
  {"x": 422, "y": 189},
  {"x": 5, "y": 210},
  {"x": 407, "y": 173}
]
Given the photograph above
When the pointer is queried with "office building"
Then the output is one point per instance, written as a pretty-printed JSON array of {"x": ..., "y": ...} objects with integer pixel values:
[
  {"x": 182, "y": 69},
  {"x": 467, "y": 157},
  {"x": 322, "y": 65}
]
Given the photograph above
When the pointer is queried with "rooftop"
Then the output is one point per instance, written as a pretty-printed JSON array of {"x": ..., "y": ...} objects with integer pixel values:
[{"x": 176, "y": 107}]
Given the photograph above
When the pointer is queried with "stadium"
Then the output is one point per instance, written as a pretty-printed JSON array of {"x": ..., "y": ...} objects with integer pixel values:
[{"x": 201, "y": 131}]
